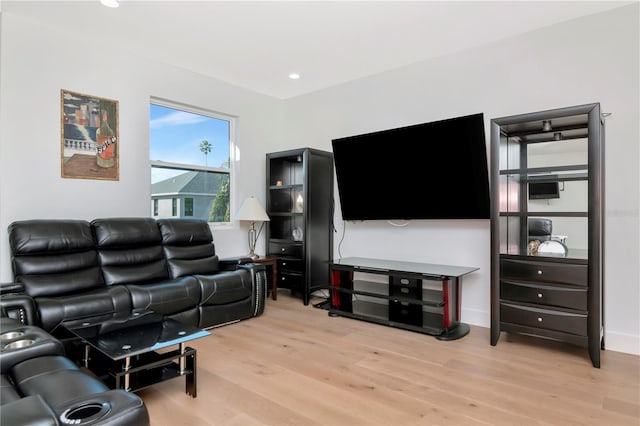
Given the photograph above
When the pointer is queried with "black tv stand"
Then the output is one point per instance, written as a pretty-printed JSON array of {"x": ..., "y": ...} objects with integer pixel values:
[{"x": 408, "y": 299}]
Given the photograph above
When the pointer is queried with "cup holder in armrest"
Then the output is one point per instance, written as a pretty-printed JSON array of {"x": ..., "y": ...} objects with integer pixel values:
[
  {"x": 17, "y": 344},
  {"x": 85, "y": 413},
  {"x": 11, "y": 335}
]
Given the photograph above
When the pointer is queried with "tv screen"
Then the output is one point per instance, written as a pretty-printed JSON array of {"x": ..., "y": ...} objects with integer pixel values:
[
  {"x": 544, "y": 190},
  {"x": 435, "y": 170}
]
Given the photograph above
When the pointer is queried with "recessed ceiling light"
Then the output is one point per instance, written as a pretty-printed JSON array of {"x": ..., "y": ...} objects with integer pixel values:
[
  {"x": 294, "y": 76},
  {"x": 110, "y": 3}
]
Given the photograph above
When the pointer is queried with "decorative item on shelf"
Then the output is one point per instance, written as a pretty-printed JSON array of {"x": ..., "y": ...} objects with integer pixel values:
[
  {"x": 552, "y": 247},
  {"x": 297, "y": 234},
  {"x": 533, "y": 246},
  {"x": 278, "y": 183},
  {"x": 252, "y": 211},
  {"x": 299, "y": 204}
]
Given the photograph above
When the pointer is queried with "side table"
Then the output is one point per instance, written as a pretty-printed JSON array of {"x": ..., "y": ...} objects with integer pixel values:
[{"x": 272, "y": 262}]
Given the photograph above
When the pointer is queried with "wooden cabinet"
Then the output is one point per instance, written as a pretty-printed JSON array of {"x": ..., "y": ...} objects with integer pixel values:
[
  {"x": 300, "y": 208},
  {"x": 547, "y": 167}
]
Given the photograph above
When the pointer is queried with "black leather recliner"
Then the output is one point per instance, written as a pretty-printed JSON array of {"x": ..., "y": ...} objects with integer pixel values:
[
  {"x": 39, "y": 386},
  {"x": 56, "y": 263},
  {"x": 540, "y": 229},
  {"x": 68, "y": 270},
  {"x": 227, "y": 288},
  {"x": 130, "y": 254}
]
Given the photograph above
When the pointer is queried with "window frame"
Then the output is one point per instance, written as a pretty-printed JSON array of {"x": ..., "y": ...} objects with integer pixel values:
[{"x": 193, "y": 167}]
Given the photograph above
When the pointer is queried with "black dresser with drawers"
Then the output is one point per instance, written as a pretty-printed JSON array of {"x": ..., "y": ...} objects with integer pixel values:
[{"x": 546, "y": 297}]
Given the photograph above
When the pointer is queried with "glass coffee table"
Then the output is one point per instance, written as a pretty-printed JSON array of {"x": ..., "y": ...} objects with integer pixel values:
[{"x": 123, "y": 351}]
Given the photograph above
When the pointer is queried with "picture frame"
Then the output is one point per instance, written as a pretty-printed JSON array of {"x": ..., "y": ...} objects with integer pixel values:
[{"x": 90, "y": 142}]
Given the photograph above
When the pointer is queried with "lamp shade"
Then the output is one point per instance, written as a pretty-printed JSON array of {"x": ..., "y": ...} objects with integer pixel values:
[{"x": 252, "y": 211}]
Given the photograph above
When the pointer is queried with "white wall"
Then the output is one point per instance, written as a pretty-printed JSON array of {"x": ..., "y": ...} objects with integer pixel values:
[
  {"x": 37, "y": 62},
  {"x": 593, "y": 59}
]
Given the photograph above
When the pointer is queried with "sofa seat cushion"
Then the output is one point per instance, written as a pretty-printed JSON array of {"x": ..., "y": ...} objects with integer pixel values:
[
  {"x": 225, "y": 287},
  {"x": 56, "y": 378},
  {"x": 28, "y": 411},
  {"x": 167, "y": 297},
  {"x": 7, "y": 391},
  {"x": 104, "y": 301}
]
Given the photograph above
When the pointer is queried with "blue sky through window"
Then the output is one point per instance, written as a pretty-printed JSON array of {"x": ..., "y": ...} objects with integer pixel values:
[{"x": 175, "y": 137}]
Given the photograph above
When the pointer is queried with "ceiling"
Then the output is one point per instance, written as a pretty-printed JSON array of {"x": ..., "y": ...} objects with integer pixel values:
[{"x": 256, "y": 45}]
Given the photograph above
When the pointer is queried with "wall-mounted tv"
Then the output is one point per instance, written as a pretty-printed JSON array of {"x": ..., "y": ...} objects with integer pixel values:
[
  {"x": 544, "y": 190},
  {"x": 435, "y": 170}
]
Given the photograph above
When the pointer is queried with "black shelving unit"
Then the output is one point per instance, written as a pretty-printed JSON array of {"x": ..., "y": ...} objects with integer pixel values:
[
  {"x": 420, "y": 297},
  {"x": 554, "y": 295},
  {"x": 300, "y": 208}
]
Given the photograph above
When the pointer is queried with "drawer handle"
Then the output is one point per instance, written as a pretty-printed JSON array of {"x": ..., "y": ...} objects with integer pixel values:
[
  {"x": 282, "y": 279},
  {"x": 284, "y": 263},
  {"x": 283, "y": 249},
  {"x": 539, "y": 319},
  {"x": 539, "y": 272},
  {"x": 539, "y": 295}
]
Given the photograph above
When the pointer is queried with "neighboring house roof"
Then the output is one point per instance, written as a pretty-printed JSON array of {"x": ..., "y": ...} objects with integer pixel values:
[{"x": 189, "y": 182}]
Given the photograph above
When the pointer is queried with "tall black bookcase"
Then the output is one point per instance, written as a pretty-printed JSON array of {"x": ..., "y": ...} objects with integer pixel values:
[
  {"x": 555, "y": 293},
  {"x": 300, "y": 208}
]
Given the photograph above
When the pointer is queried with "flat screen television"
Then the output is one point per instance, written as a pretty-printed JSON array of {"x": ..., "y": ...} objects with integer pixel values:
[
  {"x": 544, "y": 190},
  {"x": 435, "y": 170}
]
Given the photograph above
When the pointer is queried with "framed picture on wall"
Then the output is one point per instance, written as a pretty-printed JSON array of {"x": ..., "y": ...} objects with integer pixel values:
[{"x": 89, "y": 136}]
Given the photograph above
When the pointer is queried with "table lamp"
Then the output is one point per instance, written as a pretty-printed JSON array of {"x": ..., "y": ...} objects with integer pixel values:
[{"x": 252, "y": 211}]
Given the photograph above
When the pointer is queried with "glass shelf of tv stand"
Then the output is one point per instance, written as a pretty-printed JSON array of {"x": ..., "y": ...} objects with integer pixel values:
[
  {"x": 371, "y": 301},
  {"x": 432, "y": 298},
  {"x": 431, "y": 322}
]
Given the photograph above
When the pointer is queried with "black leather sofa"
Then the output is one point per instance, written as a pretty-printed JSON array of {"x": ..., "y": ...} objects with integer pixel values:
[
  {"x": 67, "y": 270},
  {"x": 39, "y": 386}
]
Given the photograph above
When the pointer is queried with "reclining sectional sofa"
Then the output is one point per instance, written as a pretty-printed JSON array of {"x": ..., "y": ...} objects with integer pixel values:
[
  {"x": 40, "y": 387},
  {"x": 71, "y": 270},
  {"x": 67, "y": 270}
]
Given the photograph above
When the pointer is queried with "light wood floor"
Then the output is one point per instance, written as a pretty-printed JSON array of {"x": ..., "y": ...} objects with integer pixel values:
[{"x": 295, "y": 365}]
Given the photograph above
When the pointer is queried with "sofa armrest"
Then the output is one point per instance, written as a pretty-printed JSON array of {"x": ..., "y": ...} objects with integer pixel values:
[
  {"x": 11, "y": 288},
  {"x": 19, "y": 306},
  {"x": 12, "y": 352},
  {"x": 231, "y": 263},
  {"x": 115, "y": 407},
  {"x": 28, "y": 411},
  {"x": 259, "y": 286}
]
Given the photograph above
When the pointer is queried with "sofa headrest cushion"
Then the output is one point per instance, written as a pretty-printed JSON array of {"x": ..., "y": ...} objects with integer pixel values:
[
  {"x": 179, "y": 232},
  {"x": 50, "y": 236},
  {"x": 125, "y": 232}
]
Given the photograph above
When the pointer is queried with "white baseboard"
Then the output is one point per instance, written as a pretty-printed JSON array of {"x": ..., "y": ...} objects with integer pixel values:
[
  {"x": 622, "y": 342},
  {"x": 476, "y": 317}
]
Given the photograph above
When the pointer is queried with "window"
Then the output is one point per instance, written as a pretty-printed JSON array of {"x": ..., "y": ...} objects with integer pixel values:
[
  {"x": 190, "y": 158},
  {"x": 188, "y": 206}
]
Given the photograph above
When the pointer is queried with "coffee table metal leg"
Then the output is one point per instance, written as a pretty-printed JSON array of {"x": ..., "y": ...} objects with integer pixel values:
[
  {"x": 182, "y": 360},
  {"x": 190, "y": 379},
  {"x": 126, "y": 367},
  {"x": 85, "y": 361}
]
